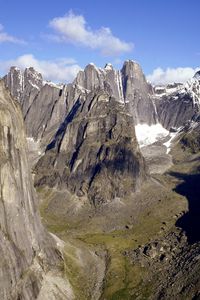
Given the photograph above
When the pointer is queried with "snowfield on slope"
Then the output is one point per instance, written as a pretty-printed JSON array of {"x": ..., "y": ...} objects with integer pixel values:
[{"x": 147, "y": 135}]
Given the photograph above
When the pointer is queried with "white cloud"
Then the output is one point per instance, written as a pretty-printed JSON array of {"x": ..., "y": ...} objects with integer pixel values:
[
  {"x": 161, "y": 76},
  {"x": 5, "y": 37},
  {"x": 73, "y": 29},
  {"x": 60, "y": 70}
]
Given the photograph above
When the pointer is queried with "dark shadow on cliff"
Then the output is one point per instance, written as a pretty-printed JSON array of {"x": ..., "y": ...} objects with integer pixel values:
[
  {"x": 190, "y": 188},
  {"x": 61, "y": 130}
]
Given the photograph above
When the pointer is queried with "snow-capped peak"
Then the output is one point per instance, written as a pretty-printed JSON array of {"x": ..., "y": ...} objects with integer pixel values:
[
  {"x": 197, "y": 75},
  {"x": 108, "y": 67}
]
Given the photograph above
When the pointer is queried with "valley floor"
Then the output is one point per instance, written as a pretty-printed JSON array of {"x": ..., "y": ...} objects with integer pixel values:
[{"x": 145, "y": 247}]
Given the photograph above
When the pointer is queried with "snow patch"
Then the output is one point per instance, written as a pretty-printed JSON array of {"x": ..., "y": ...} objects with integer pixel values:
[
  {"x": 169, "y": 142},
  {"x": 108, "y": 67},
  {"x": 118, "y": 80},
  {"x": 34, "y": 85},
  {"x": 147, "y": 135},
  {"x": 52, "y": 84}
]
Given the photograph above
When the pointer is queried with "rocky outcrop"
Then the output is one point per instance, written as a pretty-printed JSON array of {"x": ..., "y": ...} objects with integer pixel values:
[
  {"x": 28, "y": 255},
  {"x": 43, "y": 103},
  {"x": 24, "y": 86},
  {"x": 179, "y": 262},
  {"x": 190, "y": 137},
  {"x": 138, "y": 94},
  {"x": 178, "y": 104},
  {"x": 94, "y": 153},
  {"x": 127, "y": 86},
  {"x": 89, "y": 126}
]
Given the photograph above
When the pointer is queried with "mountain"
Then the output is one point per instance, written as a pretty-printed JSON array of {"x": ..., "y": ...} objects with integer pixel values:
[
  {"x": 179, "y": 103},
  {"x": 95, "y": 146},
  {"x": 94, "y": 118},
  {"x": 45, "y": 104},
  {"x": 115, "y": 164}
]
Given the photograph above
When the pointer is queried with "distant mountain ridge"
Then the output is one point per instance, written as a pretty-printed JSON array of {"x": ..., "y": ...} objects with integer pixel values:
[{"x": 45, "y": 104}]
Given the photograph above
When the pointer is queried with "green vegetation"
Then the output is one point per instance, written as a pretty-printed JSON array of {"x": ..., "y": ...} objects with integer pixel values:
[
  {"x": 122, "y": 280},
  {"x": 75, "y": 273},
  {"x": 86, "y": 235},
  {"x": 191, "y": 141}
]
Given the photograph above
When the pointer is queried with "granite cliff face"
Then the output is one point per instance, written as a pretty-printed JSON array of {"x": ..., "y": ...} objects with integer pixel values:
[
  {"x": 88, "y": 127},
  {"x": 94, "y": 147},
  {"x": 179, "y": 103},
  {"x": 127, "y": 86},
  {"x": 28, "y": 254},
  {"x": 45, "y": 104}
]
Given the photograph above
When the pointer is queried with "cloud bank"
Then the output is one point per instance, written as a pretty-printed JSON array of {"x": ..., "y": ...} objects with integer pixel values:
[
  {"x": 180, "y": 75},
  {"x": 73, "y": 29},
  {"x": 60, "y": 70}
]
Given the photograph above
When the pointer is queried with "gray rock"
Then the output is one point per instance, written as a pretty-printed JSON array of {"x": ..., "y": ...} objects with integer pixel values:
[
  {"x": 27, "y": 251},
  {"x": 178, "y": 104},
  {"x": 172, "y": 267},
  {"x": 14, "y": 80},
  {"x": 94, "y": 147},
  {"x": 137, "y": 94},
  {"x": 43, "y": 104},
  {"x": 126, "y": 86}
]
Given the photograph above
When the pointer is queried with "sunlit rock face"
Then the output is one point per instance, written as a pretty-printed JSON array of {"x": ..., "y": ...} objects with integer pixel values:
[
  {"x": 94, "y": 153},
  {"x": 128, "y": 86},
  {"x": 26, "y": 249},
  {"x": 74, "y": 125},
  {"x": 45, "y": 104},
  {"x": 91, "y": 123},
  {"x": 178, "y": 104}
]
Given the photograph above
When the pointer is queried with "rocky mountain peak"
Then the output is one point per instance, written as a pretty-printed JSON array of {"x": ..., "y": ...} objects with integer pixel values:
[
  {"x": 14, "y": 80},
  {"x": 19, "y": 82},
  {"x": 90, "y": 78},
  {"x": 128, "y": 87},
  {"x": 31, "y": 76},
  {"x": 108, "y": 67},
  {"x": 95, "y": 143},
  {"x": 90, "y": 163},
  {"x": 131, "y": 67},
  {"x": 133, "y": 72}
]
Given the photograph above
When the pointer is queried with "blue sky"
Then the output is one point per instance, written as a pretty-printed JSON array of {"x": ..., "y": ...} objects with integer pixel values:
[{"x": 59, "y": 37}]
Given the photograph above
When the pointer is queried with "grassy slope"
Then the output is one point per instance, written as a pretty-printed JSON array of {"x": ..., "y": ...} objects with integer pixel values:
[
  {"x": 160, "y": 208},
  {"x": 122, "y": 280}
]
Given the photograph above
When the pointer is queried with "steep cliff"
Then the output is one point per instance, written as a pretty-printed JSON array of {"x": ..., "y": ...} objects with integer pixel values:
[
  {"x": 44, "y": 104},
  {"x": 127, "y": 86},
  {"x": 89, "y": 126},
  {"x": 28, "y": 255},
  {"x": 179, "y": 103},
  {"x": 94, "y": 147}
]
